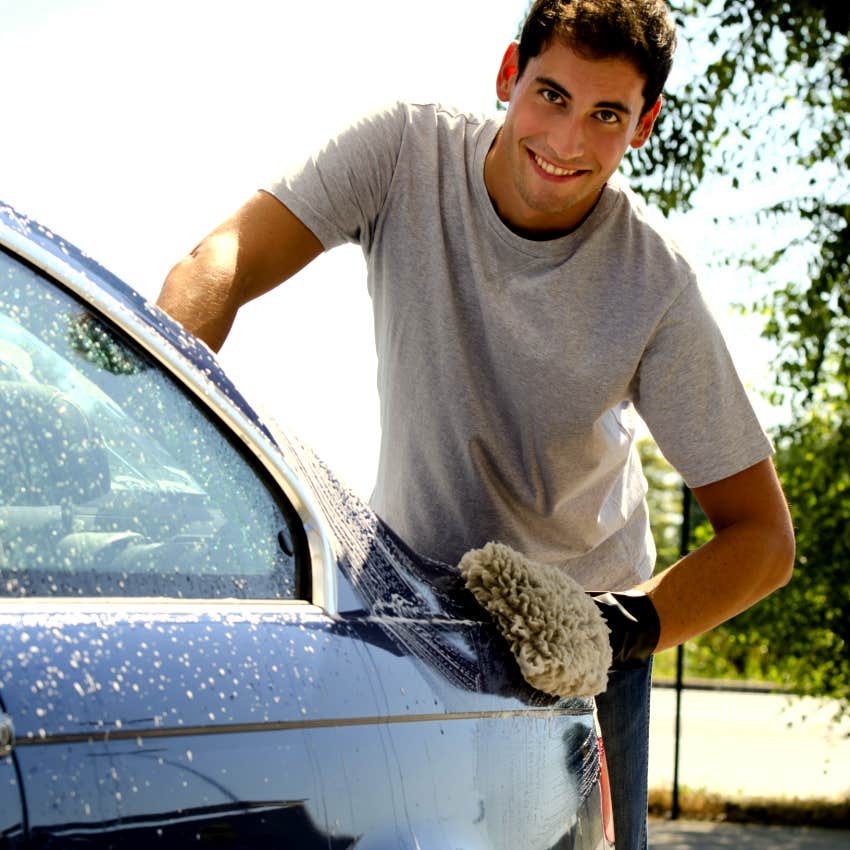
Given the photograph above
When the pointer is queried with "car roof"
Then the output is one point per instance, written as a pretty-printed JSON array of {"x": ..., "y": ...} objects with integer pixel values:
[{"x": 23, "y": 232}]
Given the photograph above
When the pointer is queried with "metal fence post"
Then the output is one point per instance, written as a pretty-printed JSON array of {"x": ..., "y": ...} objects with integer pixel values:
[{"x": 684, "y": 547}]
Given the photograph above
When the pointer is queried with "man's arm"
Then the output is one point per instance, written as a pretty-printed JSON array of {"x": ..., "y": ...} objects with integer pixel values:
[
  {"x": 260, "y": 246},
  {"x": 751, "y": 555}
]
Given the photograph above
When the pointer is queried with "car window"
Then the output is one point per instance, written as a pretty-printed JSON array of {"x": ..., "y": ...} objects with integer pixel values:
[{"x": 114, "y": 481}]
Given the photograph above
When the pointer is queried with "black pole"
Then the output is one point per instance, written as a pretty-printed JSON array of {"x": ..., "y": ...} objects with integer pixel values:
[{"x": 684, "y": 547}]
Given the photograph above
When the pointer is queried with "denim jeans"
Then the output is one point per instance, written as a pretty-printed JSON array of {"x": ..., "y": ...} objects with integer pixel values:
[{"x": 623, "y": 712}]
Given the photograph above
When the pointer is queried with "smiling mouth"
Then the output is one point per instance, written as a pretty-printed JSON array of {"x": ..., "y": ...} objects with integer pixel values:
[{"x": 545, "y": 165}]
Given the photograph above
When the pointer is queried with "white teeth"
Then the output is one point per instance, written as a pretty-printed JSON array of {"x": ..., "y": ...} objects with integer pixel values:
[{"x": 553, "y": 169}]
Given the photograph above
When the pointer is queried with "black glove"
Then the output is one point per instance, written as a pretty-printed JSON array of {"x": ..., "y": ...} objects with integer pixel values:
[{"x": 634, "y": 625}]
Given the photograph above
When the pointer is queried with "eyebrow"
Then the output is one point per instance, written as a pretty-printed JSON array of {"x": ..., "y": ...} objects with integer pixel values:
[{"x": 614, "y": 105}]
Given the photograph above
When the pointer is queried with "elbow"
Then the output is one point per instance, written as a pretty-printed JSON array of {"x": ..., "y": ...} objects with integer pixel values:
[
  {"x": 178, "y": 294},
  {"x": 781, "y": 555},
  {"x": 199, "y": 291},
  {"x": 790, "y": 558},
  {"x": 772, "y": 553}
]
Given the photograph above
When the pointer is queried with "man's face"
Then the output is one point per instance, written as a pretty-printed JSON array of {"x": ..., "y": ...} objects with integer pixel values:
[{"x": 568, "y": 124}]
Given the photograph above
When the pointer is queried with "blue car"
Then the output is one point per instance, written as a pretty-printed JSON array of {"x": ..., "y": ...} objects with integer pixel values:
[{"x": 207, "y": 641}]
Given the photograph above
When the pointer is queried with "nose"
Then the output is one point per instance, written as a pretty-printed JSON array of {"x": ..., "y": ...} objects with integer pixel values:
[{"x": 567, "y": 137}]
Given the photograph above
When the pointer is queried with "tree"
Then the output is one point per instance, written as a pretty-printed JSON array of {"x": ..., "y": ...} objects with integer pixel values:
[
  {"x": 806, "y": 625},
  {"x": 771, "y": 101},
  {"x": 767, "y": 98}
]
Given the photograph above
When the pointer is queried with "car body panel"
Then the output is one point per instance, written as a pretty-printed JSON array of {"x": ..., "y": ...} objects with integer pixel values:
[
  {"x": 205, "y": 730},
  {"x": 381, "y": 710}
]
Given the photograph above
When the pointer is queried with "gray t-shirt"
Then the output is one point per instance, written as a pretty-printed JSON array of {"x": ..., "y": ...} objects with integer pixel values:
[{"x": 509, "y": 370}]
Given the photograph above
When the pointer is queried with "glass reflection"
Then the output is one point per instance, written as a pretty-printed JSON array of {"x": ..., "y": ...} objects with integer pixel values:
[{"x": 112, "y": 481}]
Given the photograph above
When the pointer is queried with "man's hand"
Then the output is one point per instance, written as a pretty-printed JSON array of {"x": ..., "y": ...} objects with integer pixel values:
[
  {"x": 257, "y": 248},
  {"x": 553, "y": 628}
]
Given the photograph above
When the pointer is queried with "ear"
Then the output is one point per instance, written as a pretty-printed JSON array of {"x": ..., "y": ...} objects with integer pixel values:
[
  {"x": 645, "y": 125},
  {"x": 507, "y": 72}
]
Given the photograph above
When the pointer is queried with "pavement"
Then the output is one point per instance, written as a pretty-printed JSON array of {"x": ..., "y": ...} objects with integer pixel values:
[{"x": 705, "y": 835}]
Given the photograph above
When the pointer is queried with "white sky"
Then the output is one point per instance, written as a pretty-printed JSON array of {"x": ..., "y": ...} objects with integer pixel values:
[{"x": 132, "y": 130}]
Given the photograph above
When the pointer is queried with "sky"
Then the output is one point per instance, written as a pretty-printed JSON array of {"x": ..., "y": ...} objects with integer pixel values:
[{"x": 134, "y": 129}]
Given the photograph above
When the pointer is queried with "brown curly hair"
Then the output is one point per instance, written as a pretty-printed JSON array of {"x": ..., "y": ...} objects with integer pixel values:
[{"x": 639, "y": 31}]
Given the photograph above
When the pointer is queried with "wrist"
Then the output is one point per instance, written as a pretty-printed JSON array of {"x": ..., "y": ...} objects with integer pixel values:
[{"x": 633, "y": 625}]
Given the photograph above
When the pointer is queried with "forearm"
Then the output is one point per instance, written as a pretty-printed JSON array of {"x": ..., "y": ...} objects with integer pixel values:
[
  {"x": 200, "y": 291},
  {"x": 742, "y": 564}
]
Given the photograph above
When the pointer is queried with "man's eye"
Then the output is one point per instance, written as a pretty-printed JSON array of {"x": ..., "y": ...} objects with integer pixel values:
[
  {"x": 551, "y": 96},
  {"x": 608, "y": 116}
]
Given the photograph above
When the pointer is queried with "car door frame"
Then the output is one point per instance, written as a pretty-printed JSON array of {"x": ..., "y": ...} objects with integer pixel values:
[{"x": 322, "y": 565}]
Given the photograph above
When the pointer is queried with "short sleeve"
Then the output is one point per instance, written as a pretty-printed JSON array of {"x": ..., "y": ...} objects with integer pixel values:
[
  {"x": 691, "y": 398},
  {"x": 339, "y": 192}
]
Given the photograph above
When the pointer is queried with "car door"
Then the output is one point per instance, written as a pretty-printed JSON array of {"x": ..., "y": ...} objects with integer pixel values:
[
  {"x": 167, "y": 676},
  {"x": 186, "y": 657}
]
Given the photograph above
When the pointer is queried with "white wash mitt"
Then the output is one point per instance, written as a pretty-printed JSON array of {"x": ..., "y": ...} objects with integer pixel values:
[{"x": 554, "y": 629}]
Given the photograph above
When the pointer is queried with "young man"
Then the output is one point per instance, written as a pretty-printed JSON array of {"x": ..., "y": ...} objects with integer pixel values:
[{"x": 524, "y": 307}]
